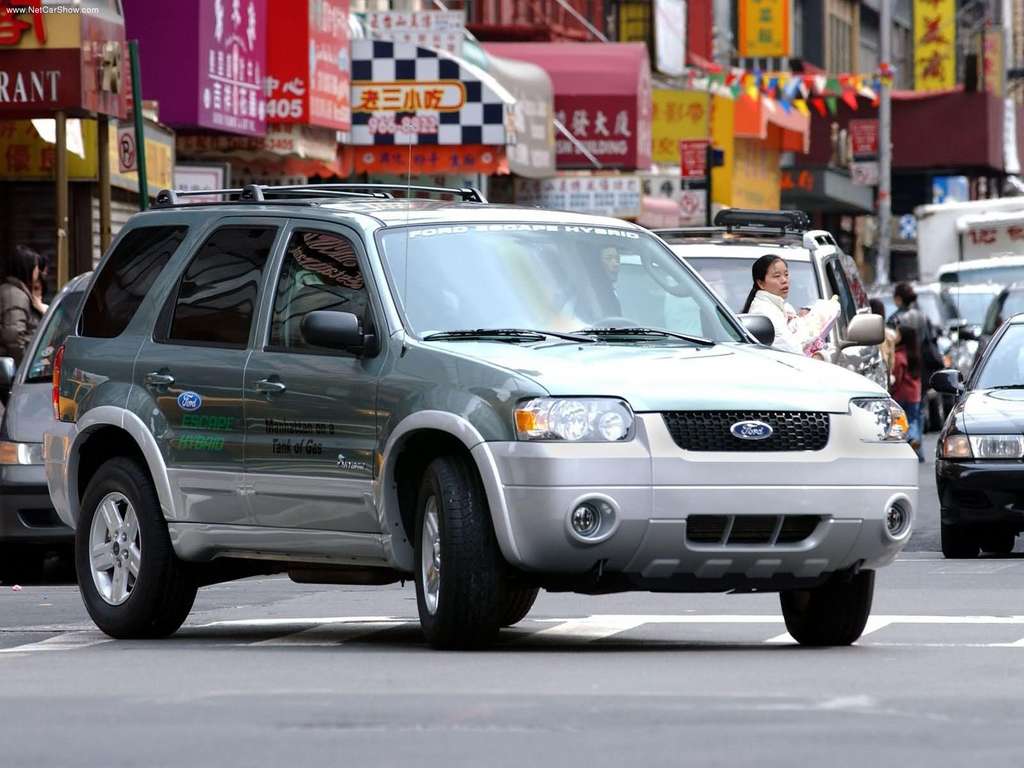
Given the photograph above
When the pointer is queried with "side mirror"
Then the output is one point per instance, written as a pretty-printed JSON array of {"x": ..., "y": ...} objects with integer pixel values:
[
  {"x": 760, "y": 327},
  {"x": 337, "y": 330},
  {"x": 864, "y": 330},
  {"x": 7, "y": 372},
  {"x": 948, "y": 381}
]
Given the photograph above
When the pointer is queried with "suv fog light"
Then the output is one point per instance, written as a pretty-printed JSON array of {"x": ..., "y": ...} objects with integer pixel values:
[
  {"x": 586, "y": 519},
  {"x": 897, "y": 518},
  {"x": 592, "y": 518}
]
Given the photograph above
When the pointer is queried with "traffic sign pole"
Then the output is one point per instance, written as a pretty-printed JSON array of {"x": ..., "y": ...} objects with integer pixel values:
[{"x": 140, "y": 130}]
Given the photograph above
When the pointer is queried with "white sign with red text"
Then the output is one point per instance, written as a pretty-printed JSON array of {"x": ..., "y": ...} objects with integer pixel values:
[{"x": 440, "y": 30}]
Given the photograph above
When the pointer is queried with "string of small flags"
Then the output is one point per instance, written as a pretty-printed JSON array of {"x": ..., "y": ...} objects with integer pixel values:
[{"x": 797, "y": 90}]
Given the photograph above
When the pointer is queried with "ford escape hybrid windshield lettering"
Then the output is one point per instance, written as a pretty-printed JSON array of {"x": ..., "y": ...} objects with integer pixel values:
[
  {"x": 126, "y": 278},
  {"x": 551, "y": 277}
]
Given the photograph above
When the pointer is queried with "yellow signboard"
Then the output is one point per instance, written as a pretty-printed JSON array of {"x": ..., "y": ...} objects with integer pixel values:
[
  {"x": 756, "y": 176},
  {"x": 723, "y": 135},
  {"x": 763, "y": 28},
  {"x": 676, "y": 116},
  {"x": 934, "y": 45},
  {"x": 992, "y": 63},
  {"x": 25, "y": 156}
]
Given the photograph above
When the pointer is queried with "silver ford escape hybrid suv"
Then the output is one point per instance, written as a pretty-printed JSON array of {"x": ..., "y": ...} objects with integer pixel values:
[{"x": 487, "y": 400}]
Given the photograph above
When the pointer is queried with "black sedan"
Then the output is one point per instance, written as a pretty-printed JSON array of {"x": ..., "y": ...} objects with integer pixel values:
[{"x": 979, "y": 467}]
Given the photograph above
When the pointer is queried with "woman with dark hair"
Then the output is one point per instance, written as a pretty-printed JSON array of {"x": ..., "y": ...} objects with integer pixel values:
[
  {"x": 18, "y": 315},
  {"x": 768, "y": 297},
  {"x": 906, "y": 387}
]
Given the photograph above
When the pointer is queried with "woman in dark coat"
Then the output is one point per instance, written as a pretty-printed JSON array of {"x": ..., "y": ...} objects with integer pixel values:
[{"x": 19, "y": 313}]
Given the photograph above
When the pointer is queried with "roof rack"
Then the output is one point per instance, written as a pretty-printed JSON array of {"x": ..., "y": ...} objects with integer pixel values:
[
  {"x": 682, "y": 233},
  {"x": 784, "y": 221},
  {"x": 257, "y": 193}
]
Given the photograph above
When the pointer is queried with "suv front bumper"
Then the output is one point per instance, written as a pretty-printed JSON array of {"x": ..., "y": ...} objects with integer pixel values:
[{"x": 654, "y": 487}]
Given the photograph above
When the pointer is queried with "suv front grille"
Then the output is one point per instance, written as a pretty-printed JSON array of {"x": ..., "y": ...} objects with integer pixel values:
[
  {"x": 750, "y": 529},
  {"x": 710, "y": 430}
]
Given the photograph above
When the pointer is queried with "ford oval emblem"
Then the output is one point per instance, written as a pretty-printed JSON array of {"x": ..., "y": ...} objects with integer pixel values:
[
  {"x": 190, "y": 401},
  {"x": 751, "y": 430}
]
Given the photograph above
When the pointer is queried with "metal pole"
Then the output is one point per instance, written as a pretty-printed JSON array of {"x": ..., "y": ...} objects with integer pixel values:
[
  {"x": 708, "y": 170},
  {"x": 61, "y": 173},
  {"x": 103, "y": 145},
  {"x": 884, "y": 154},
  {"x": 140, "y": 129}
]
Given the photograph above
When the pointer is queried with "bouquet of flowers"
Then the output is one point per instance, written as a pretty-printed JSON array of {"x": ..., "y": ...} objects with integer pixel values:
[{"x": 817, "y": 322}]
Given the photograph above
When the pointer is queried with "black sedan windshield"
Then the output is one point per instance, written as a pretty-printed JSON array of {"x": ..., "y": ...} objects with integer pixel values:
[
  {"x": 547, "y": 277},
  {"x": 1005, "y": 364}
]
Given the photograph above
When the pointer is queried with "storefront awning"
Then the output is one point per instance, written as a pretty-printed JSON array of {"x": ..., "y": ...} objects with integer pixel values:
[
  {"x": 826, "y": 190},
  {"x": 767, "y": 120},
  {"x": 602, "y": 96},
  {"x": 533, "y": 154},
  {"x": 658, "y": 212}
]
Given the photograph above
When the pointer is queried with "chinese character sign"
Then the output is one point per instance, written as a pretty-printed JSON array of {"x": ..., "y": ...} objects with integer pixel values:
[
  {"x": 308, "y": 72},
  {"x": 934, "y": 45},
  {"x": 676, "y": 116},
  {"x": 440, "y": 30},
  {"x": 606, "y": 127},
  {"x": 764, "y": 27},
  {"x": 599, "y": 195},
  {"x": 233, "y": 58},
  {"x": 404, "y": 94}
]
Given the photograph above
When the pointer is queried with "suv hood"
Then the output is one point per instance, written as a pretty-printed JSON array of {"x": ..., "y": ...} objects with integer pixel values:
[{"x": 669, "y": 377}]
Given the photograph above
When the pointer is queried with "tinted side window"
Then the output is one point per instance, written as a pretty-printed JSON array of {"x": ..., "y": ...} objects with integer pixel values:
[
  {"x": 218, "y": 293},
  {"x": 120, "y": 288},
  {"x": 837, "y": 282},
  {"x": 320, "y": 272}
]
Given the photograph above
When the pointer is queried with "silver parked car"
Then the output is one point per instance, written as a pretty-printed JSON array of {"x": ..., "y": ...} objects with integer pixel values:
[{"x": 29, "y": 526}]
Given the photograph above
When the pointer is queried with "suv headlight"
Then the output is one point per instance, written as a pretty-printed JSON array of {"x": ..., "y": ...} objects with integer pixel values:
[
  {"x": 983, "y": 447},
  {"x": 576, "y": 420},
  {"x": 880, "y": 419}
]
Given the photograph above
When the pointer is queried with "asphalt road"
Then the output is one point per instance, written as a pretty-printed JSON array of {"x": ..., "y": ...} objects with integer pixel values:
[{"x": 267, "y": 672}]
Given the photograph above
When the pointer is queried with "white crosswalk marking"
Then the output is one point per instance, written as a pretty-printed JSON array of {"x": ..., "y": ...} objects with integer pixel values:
[
  {"x": 337, "y": 630},
  {"x": 69, "y": 641}
]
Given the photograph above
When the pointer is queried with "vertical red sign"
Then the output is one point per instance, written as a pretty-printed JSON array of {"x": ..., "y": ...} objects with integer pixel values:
[{"x": 693, "y": 155}]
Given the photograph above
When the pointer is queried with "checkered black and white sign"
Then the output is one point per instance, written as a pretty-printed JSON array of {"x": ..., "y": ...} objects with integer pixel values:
[{"x": 403, "y": 94}]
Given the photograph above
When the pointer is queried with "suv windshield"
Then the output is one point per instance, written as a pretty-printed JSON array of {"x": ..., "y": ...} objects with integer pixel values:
[
  {"x": 967, "y": 276},
  {"x": 730, "y": 278},
  {"x": 972, "y": 306},
  {"x": 547, "y": 277}
]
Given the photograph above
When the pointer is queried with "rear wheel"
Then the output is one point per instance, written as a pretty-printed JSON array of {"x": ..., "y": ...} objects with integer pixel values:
[
  {"x": 461, "y": 581},
  {"x": 132, "y": 583},
  {"x": 958, "y": 542},
  {"x": 833, "y": 614}
]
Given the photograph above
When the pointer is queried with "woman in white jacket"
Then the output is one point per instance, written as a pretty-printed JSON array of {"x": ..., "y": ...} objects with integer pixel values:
[{"x": 768, "y": 297}]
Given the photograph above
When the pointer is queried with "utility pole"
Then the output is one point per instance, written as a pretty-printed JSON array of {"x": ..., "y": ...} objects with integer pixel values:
[{"x": 884, "y": 152}]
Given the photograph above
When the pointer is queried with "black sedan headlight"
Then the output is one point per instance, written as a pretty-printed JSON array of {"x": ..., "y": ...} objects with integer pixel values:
[{"x": 961, "y": 446}]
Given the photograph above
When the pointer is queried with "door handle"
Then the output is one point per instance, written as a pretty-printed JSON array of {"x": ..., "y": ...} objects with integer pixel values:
[
  {"x": 270, "y": 387},
  {"x": 155, "y": 379}
]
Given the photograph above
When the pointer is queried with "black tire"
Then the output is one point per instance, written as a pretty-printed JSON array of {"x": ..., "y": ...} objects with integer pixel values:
[
  {"x": 164, "y": 591},
  {"x": 958, "y": 542},
  {"x": 473, "y": 575},
  {"x": 833, "y": 614},
  {"x": 997, "y": 542},
  {"x": 518, "y": 602}
]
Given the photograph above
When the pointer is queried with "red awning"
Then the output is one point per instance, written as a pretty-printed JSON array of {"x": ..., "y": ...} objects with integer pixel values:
[
  {"x": 766, "y": 119},
  {"x": 602, "y": 95}
]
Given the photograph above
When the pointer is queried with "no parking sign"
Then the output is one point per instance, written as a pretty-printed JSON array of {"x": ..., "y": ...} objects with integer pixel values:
[{"x": 127, "y": 157}]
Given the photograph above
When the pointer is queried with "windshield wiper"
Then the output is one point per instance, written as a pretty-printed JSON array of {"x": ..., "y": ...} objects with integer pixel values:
[
  {"x": 1009, "y": 386},
  {"x": 503, "y": 334},
  {"x": 642, "y": 332}
]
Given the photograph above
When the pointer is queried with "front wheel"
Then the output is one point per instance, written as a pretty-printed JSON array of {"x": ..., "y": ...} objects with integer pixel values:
[
  {"x": 461, "y": 579},
  {"x": 132, "y": 583},
  {"x": 833, "y": 614},
  {"x": 958, "y": 542}
]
